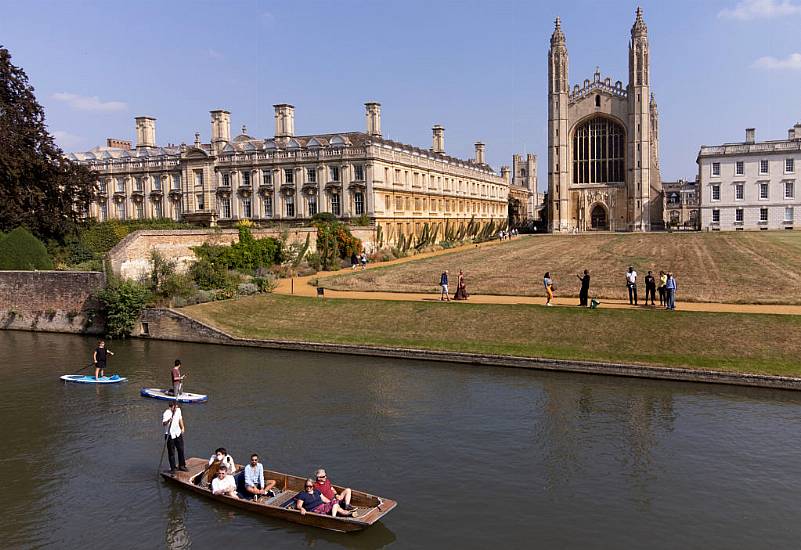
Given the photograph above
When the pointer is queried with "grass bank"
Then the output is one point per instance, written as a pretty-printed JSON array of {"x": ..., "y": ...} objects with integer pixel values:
[{"x": 759, "y": 344}]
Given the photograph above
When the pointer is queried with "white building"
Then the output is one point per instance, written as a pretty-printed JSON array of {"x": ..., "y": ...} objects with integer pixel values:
[{"x": 751, "y": 185}]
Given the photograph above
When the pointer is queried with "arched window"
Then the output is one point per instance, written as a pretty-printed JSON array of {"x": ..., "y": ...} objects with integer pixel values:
[{"x": 598, "y": 152}]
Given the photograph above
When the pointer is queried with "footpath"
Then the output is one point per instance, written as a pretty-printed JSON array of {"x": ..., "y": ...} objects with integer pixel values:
[{"x": 300, "y": 286}]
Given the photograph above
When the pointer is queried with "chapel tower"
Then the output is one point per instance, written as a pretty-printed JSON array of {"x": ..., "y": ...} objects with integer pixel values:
[{"x": 558, "y": 99}]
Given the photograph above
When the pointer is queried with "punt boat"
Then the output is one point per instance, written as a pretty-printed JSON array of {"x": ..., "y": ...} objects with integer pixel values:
[{"x": 370, "y": 508}]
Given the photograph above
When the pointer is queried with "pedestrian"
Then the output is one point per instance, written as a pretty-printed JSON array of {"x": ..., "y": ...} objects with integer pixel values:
[
  {"x": 173, "y": 423},
  {"x": 177, "y": 379},
  {"x": 631, "y": 284},
  {"x": 364, "y": 260},
  {"x": 650, "y": 288},
  {"x": 99, "y": 358},
  {"x": 670, "y": 286},
  {"x": 461, "y": 288},
  {"x": 661, "y": 288},
  {"x": 585, "y": 288},
  {"x": 548, "y": 282},
  {"x": 443, "y": 283},
  {"x": 354, "y": 261}
]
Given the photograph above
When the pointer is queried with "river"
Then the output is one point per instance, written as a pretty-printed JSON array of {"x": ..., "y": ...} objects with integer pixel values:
[{"x": 475, "y": 456}]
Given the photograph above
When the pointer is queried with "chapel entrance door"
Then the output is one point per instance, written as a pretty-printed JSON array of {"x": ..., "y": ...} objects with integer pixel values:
[{"x": 598, "y": 218}]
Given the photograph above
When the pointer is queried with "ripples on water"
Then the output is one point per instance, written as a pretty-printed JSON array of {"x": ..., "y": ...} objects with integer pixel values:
[{"x": 475, "y": 456}]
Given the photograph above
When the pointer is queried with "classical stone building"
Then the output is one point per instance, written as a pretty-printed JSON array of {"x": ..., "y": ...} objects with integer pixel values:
[
  {"x": 524, "y": 200},
  {"x": 603, "y": 144},
  {"x": 751, "y": 185},
  {"x": 289, "y": 178},
  {"x": 682, "y": 204}
]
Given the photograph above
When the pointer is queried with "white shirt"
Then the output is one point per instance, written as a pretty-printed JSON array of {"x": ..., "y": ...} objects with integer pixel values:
[
  {"x": 227, "y": 460},
  {"x": 224, "y": 485},
  {"x": 173, "y": 428},
  {"x": 631, "y": 277}
]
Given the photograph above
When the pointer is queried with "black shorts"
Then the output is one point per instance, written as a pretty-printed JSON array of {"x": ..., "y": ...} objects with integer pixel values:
[{"x": 101, "y": 366}]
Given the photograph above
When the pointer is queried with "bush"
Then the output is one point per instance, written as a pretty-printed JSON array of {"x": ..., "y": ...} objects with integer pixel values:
[
  {"x": 324, "y": 217},
  {"x": 122, "y": 303},
  {"x": 21, "y": 250},
  {"x": 267, "y": 283},
  {"x": 177, "y": 284},
  {"x": 335, "y": 241},
  {"x": 313, "y": 259},
  {"x": 246, "y": 255},
  {"x": 360, "y": 221},
  {"x": 246, "y": 289},
  {"x": 207, "y": 275}
]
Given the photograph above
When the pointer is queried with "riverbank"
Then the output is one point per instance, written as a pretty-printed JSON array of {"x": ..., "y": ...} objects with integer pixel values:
[{"x": 726, "y": 343}]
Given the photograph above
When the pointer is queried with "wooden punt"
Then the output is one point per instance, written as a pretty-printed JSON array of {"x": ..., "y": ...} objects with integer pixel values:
[{"x": 370, "y": 508}]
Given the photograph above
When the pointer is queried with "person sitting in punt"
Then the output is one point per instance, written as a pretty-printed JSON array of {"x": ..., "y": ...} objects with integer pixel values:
[
  {"x": 254, "y": 479},
  {"x": 219, "y": 458},
  {"x": 312, "y": 500},
  {"x": 323, "y": 484},
  {"x": 224, "y": 484}
]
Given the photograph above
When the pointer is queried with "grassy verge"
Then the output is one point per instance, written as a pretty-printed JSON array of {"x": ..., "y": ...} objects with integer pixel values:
[{"x": 764, "y": 344}]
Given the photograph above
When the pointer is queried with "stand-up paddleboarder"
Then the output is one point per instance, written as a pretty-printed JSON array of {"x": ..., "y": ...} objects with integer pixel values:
[
  {"x": 99, "y": 358},
  {"x": 177, "y": 379}
]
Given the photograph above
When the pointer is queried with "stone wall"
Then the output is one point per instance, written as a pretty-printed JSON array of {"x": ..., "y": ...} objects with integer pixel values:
[{"x": 52, "y": 301}]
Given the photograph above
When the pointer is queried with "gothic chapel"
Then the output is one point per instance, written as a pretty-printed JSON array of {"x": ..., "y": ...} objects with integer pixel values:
[{"x": 603, "y": 145}]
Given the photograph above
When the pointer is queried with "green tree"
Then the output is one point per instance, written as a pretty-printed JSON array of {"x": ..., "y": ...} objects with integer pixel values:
[
  {"x": 122, "y": 303},
  {"x": 21, "y": 250},
  {"x": 39, "y": 187}
]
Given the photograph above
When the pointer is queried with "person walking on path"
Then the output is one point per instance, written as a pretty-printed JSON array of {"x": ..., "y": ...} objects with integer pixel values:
[
  {"x": 177, "y": 379},
  {"x": 461, "y": 288},
  {"x": 548, "y": 282},
  {"x": 661, "y": 288},
  {"x": 363, "y": 260},
  {"x": 99, "y": 358},
  {"x": 585, "y": 288},
  {"x": 631, "y": 284},
  {"x": 670, "y": 287},
  {"x": 650, "y": 288},
  {"x": 443, "y": 282},
  {"x": 354, "y": 261},
  {"x": 173, "y": 422}
]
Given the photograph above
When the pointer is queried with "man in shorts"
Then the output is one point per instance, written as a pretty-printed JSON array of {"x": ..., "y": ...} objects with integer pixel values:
[
  {"x": 99, "y": 358},
  {"x": 323, "y": 484},
  {"x": 443, "y": 282}
]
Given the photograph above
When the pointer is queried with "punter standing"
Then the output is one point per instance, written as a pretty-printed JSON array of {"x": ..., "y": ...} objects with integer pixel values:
[
  {"x": 173, "y": 422},
  {"x": 99, "y": 358},
  {"x": 177, "y": 379}
]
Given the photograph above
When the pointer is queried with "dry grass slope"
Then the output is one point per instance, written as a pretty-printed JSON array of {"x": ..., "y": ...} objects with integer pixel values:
[{"x": 747, "y": 267}]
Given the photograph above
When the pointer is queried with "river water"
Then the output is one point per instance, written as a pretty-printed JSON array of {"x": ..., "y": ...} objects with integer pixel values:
[{"x": 475, "y": 456}]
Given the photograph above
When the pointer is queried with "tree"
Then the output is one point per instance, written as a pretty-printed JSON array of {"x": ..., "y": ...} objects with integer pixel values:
[
  {"x": 122, "y": 303},
  {"x": 22, "y": 251},
  {"x": 39, "y": 187}
]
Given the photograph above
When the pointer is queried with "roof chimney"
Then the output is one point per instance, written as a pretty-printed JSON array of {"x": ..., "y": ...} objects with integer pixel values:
[
  {"x": 797, "y": 131},
  {"x": 750, "y": 135},
  {"x": 118, "y": 143},
  {"x": 480, "y": 153},
  {"x": 438, "y": 144},
  {"x": 145, "y": 131},
  {"x": 373, "y": 115},
  {"x": 220, "y": 126},
  {"x": 284, "y": 120}
]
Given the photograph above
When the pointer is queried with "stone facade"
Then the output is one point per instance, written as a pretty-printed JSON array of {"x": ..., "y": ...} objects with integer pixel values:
[
  {"x": 525, "y": 202},
  {"x": 52, "y": 301},
  {"x": 603, "y": 144},
  {"x": 289, "y": 178},
  {"x": 682, "y": 205},
  {"x": 751, "y": 185}
]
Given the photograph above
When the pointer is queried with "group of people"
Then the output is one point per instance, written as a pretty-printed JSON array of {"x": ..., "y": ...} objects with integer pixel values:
[
  {"x": 357, "y": 259},
  {"x": 461, "y": 287},
  {"x": 508, "y": 234},
  {"x": 666, "y": 287}
]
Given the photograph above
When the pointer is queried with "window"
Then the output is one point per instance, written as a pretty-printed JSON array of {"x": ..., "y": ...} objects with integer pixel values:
[
  {"x": 246, "y": 179},
  {"x": 198, "y": 178},
  {"x": 312, "y": 205},
  {"x": 290, "y": 206},
  {"x": 140, "y": 210},
  {"x": 311, "y": 175},
  {"x": 789, "y": 189},
  {"x": 178, "y": 208},
  {"x": 101, "y": 186},
  {"x": 397, "y": 176},
  {"x": 598, "y": 152},
  {"x": 763, "y": 215},
  {"x": 201, "y": 203},
  {"x": 387, "y": 203},
  {"x": 176, "y": 181},
  {"x": 289, "y": 177},
  {"x": 247, "y": 207},
  {"x": 120, "y": 185},
  {"x": 715, "y": 216},
  {"x": 788, "y": 213},
  {"x": 121, "y": 210},
  {"x": 335, "y": 205},
  {"x": 103, "y": 211},
  {"x": 267, "y": 177},
  {"x": 268, "y": 206},
  {"x": 738, "y": 215},
  {"x": 138, "y": 185},
  {"x": 716, "y": 192},
  {"x": 358, "y": 203},
  {"x": 226, "y": 181},
  {"x": 739, "y": 191},
  {"x": 157, "y": 183},
  {"x": 789, "y": 166},
  {"x": 225, "y": 207},
  {"x": 158, "y": 209},
  {"x": 763, "y": 167},
  {"x": 739, "y": 168},
  {"x": 715, "y": 168},
  {"x": 334, "y": 171},
  {"x": 763, "y": 191},
  {"x": 358, "y": 172}
]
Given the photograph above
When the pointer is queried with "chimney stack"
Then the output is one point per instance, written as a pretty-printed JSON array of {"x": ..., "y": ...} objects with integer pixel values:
[
  {"x": 797, "y": 131},
  {"x": 145, "y": 131},
  {"x": 373, "y": 115},
  {"x": 750, "y": 135},
  {"x": 284, "y": 120},
  {"x": 438, "y": 145},
  {"x": 220, "y": 127},
  {"x": 506, "y": 175},
  {"x": 480, "y": 153}
]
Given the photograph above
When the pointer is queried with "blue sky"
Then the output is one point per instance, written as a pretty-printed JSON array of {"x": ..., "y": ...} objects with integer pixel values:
[{"x": 476, "y": 67}]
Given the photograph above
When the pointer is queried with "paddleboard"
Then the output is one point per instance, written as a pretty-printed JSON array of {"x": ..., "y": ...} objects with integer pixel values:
[
  {"x": 185, "y": 397},
  {"x": 86, "y": 379}
]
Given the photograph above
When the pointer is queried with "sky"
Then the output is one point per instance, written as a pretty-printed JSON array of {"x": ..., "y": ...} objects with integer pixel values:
[{"x": 479, "y": 68}]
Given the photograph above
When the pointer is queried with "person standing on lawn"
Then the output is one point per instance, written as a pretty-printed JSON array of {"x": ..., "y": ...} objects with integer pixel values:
[
  {"x": 585, "y": 288},
  {"x": 670, "y": 285},
  {"x": 650, "y": 288},
  {"x": 661, "y": 288},
  {"x": 443, "y": 283},
  {"x": 631, "y": 284},
  {"x": 548, "y": 282}
]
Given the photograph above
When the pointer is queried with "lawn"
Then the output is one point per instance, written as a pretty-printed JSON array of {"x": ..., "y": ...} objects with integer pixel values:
[
  {"x": 766, "y": 344},
  {"x": 741, "y": 267}
]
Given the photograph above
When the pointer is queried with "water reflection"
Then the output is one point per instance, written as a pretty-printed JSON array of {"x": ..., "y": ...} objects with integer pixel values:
[{"x": 176, "y": 536}]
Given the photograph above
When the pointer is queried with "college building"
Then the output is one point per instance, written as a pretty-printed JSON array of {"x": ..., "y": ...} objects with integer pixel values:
[
  {"x": 751, "y": 185},
  {"x": 290, "y": 178}
]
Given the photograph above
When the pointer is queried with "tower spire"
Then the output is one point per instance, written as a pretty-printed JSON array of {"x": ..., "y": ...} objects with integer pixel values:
[
  {"x": 639, "y": 28},
  {"x": 558, "y": 37}
]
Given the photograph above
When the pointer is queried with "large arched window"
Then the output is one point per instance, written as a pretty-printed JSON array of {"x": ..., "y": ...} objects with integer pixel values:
[{"x": 598, "y": 152}]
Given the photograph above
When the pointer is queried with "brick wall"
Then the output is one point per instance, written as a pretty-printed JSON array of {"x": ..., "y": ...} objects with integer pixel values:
[{"x": 54, "y": 301}]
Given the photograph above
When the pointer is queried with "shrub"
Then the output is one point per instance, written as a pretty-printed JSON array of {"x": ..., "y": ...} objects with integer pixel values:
[
  {"x": 21, "y": 250},
  {"x": 362, "y": 220},
  {"x": 246, "y": 255},
  {"x": 122, "y": 302},
  {"x": 313, "y": 259},
  {"x": 266, "y": 283},
  {"x": 162, "y": 270},
  {"x": 246, "y": 289},
  {"x": 324, "y": 217},
  {"x": 207, "y": 275},
  {"x": 335, "y": 241},
  {"x": 177, "y": 284}
]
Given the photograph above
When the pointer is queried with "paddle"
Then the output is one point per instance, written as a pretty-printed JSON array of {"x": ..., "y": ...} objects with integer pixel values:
[{"x": 82, "y": 368}]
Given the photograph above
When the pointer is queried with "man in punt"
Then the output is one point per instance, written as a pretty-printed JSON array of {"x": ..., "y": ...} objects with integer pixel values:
[
  {"x": 311, "y": 500},
  {"x": 323, "y": 484},
  {"x": 219, "y": 458},
  {"x": 254, "y": 479},
  {"x": 224, "y": 483}
]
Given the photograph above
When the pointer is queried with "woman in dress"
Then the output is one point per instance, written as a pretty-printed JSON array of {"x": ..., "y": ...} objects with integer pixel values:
[
  {"x": 461, "y": 289},
  {"x": 548, "y": 282}
]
